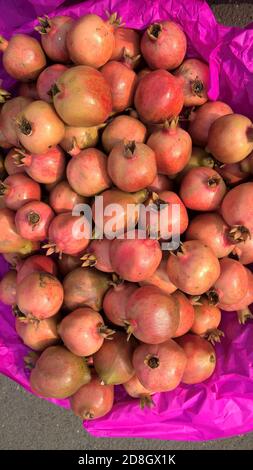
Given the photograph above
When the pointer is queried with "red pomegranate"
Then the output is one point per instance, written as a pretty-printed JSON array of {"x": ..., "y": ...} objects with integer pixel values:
[
  {"x": 32, "y": 220},
  {"x": 232, "y": 284},
  {"x": 127, "y": 42},
  {"x": 160, "y": 279},
  {"x": 186, "y": 313},
  {"x": 122, "y": 80},
  {"x": 62, "y": 198},
  {"x": 242, "y": 307},
  {"x": 123, "y": 128},
  {"x": 44, "y": 168},
  {"x": 10, "y": 163},
  {"x": 202, "y": 119},
  {"x": 19, "y": 189},
  {"x": 35, "y": 263},
  {"x": 38, "y": 335},
  {"x": 244, "y": 251},
  {"x": 202, "y": 189},
  {"x": 206, "y": 321},
  {"x": 115, "y": 302},
  {"x": 161, "y": 183},
  {"x": 195, "y": 77},
  {"x": 232, "y": 173},
  {"x": 98, "y": 255},
  {"x": 201, "y": 358},
  {"x": 9, "y": 114},
  {"x": 135, "y": 389},
  {"x": 46, "y": 80},
  {"x": 77, "y": 139},
  {"x": 10, "y": 240},
  {"x": 237, "y": 209},
  {"x": 92, "y": 400},
  {"x": 54, "y": 33}
]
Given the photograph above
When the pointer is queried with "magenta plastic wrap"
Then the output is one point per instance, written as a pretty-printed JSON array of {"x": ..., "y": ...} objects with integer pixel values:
[{"x": 223, "y": 405}]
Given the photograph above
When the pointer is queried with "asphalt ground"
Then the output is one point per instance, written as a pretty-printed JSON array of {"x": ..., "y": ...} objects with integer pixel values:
[{"x": 27, "y": 422}]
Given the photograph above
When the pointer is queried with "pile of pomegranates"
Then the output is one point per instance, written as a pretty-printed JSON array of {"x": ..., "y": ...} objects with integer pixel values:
[{"x": 105, "y": 295}]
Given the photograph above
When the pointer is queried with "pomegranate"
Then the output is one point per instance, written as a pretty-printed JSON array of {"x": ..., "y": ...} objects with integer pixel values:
[
  {"x": 62, "y": 198},
  {"x": 159, "y": 367},
  {"x": 135, "y": 389},
  {"x": 115, "y": 302},
  {"x": 58, "y": 373},
  {"x": 46, "y": 80},
  {"x": 142, "y": 73},
  {"x": 92, "y": 400},
  {"x": 135, "y": 258},
  {"x": 242, "y": 307},
  {"x": 9, "y": 113},
  {"x": 82, "y": 97},
  {"x": 35, "y": 263},
  {"x": 113, "y": 361},
  {"x": 83, "y": 331},
  {"x": 230, "y": 138},
  {"x": 232, "y": 284},
  {"x": 202, "y": 189},
  {"x": 160, "y": 183},
  {"x": 28, "y": 90},
  {"x": 186, "y": 313},
  {"x": 199, "y": 157},
  {"x": 8, "y": 288},
  {"x": 10, "y": 164},
  {"x": 194, "y": 268},
  {"x": 244, "y": 251},
  {"x": 195, "y": 77},
  {"x": 172, "y": 146},
  {"x": 127, "y": 41},
  {"x": 98, "y": 255},
  {"x": 38, "y": 127},
  {"x": 19, "y": 189},
  {"x": 201, "y": 358},
  {"x": 68, "y": 263},
  {"x": 160, "y": 279},
  {"x": 32, "y": 220},
  {"x": 163, "y": 215},
  {"x": 163, "y": 45},
  {"x": 91, "y": 40},
  {"x": 232, "y": 173},
  {"x": 159, "y": 96},
  {"x": 44, "y": 168},
  {"x": 202, "y": 119},
  {"x": 39, "y": 295},
  {"x": 151, "y": 316},
  {"x": 213, "y": 231},
  {"x": 206, "y": 321},
  {"x": 87, "y": 172},
  {"x": 104, "y": 215},
  {"x": 53, "y": 36},
  {"x": 123, "y": 128},
  {"x": 10, "y": 240},
  {"x": 237, "y": 208},
  {"x": 23, "y": 57},
  {"x": 85, "y": 287},
  {"x": 38, "y": 335},
  {"x": 68, "y": 234},
  {"x": 79, "y": 138},
  {"x": 132, "y": 166},
  {"x": 122, "y": 81}
]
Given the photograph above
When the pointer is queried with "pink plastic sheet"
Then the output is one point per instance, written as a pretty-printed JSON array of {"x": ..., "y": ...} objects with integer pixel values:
[{"x": 222, "y": 406}]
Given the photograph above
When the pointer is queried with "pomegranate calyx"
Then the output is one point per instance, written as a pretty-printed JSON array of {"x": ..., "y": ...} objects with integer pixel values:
[
  {"x": 154, "y": 31},
  {"x": 114, "y": 19},
  {"x": 213, "y": 297},
  {"x": 30, "y": 360},
  {"x": 33, "y": 218},
  {"x": 106, "y": 332},
  {"x": 196, "y": 300},
  {"x": 116, "y": 281},
  {"x": 24, "y": 126},
  {"x": 129, "y": 327},
  {"x": 52, "y": 248},
  {"x": 4, "y": 189},
  {"x": 54, "y": 90},
  {"x": 88, "y": 415},
  {"x": 146, "y": 401},
  {"x": 4, "y": 95},
  {"x": 18, "y": 314},
  {"x": 3, "y": 43},
  {"x": 21, "y": 158},
  {"x": 244, "y": 315},
  {"x": 130, "y": 60},
  {"x": 44, "y": 25},
  {"x": 129, "y": 148},
  {"x": 214, "y": 336},
  {"x": 238, "y": 233},
  {"x": 89, "y": 260},
  {"x": 152, "y": 361},
  {"x": 197, "y": 87},
  {"x": 214, "y": 181}
]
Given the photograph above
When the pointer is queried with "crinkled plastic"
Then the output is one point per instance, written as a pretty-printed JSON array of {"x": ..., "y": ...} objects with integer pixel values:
[{"x": 223, "y": 405}]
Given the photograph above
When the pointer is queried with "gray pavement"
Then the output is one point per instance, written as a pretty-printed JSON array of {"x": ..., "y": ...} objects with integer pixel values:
[{"x": 27, "y": 422}]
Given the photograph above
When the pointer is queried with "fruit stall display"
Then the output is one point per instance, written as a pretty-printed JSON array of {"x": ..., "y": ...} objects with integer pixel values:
[{"x": 148, "y": 105}]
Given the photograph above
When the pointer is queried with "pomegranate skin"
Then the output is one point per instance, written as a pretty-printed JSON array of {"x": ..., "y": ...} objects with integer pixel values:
[
  {"x": 62, "y": 198},
  {"x": 127, "y": 42},
  {"x": 32, "y": 220},
  {"x": 45, "y": 168},
  {"x": 161, "y": 183},
  {"x": 9, "y": 113},
  {"x": 131, "y": 166},
  {"x": 58, "y": 373},
  {"x": 28, "y": 90},
  {"x": 18, "y": 190},
  {"x": 54, "y": 32},
  {"x": 38, "y": 336},
  {"x": 195, "y": 78},
  {"x": 87, "y": 172},
  {"x": 159, "y": 367},
  {"x": 85, "y": 287},
  {"x": 232, "y": 284},
  {"x": 91, "y": 41},
  {"x": 38, "y": 263},
  {"x": 123, "y": 128},
  {"x": 244, "y": 303},
  {"x": 23, "y": 57},
  {"x": 98, "y": 255},
  {"x": 244, "y": 251},
  {"x": 8, "y": 288},
  {"x": 207, "y": 318},
  {"x": 10, "y": 240},
  {"x": 160, "y": 279},
  {"x": 9, "y": 163},
  {"x": 113, "y": 361},
  {"x": 68, "y": 263},
  {"x": 79, "y": 138},
  {"x": 202, "y": 189},
  {"x": 122, "y": 81},
  {"x": 202, "y": 119},
  {"x": 236, "y": 208},
  {"x": 186, "y": 314},
  {"x": 83, "y": 331},
  {"x": 213, "y": 231},
  {"x": 135, "y": 389},
  {"x": 135, "y": 259},
  {"x": 46, "y": 80},
  {"x": 151, "y": 316},
  {"x": 163, "y": 45},
  {"x": 83, "y": 97},
  {"x": 159, "y": 96},
  {"x": 39, "y": 128},
  {"x": 233, "y": 174},
  {"x": 194, "y": 269},
  {"x": 201, "y": 359},
  {"x": 92, "y": 400},
  {"x": 230, "y": 138},
  {"x": 115, "y": 302},
  {"x": 172, "y": 147},
  {"x": 39, "y": 295}
]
